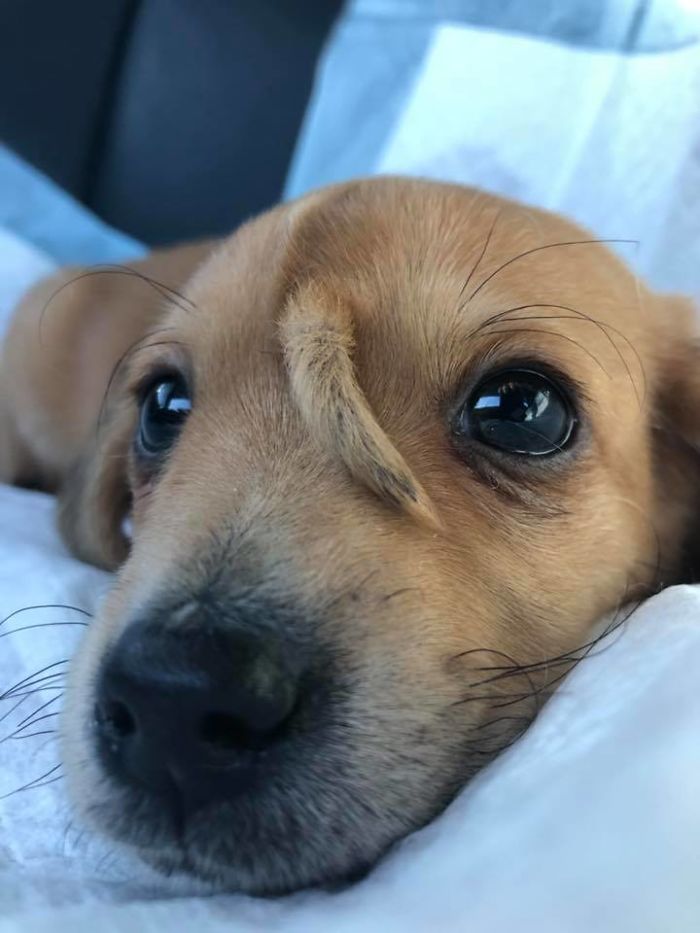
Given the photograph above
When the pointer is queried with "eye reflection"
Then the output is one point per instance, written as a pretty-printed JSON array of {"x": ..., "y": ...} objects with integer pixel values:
[
  {"x": 163, "y": 412},
  {"x": 518, "y": 411}
]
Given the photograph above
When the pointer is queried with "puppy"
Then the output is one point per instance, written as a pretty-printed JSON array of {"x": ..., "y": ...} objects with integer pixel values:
[{"x": 388, "y": 453}]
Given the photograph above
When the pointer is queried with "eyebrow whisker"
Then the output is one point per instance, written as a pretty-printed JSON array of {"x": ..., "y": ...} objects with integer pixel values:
[
  {"x": 482, "y": 253},
  {"x": 577, "y": 314},
  {"x": 551, "y": 333},
  {"x": 538, "y": 249},
  {"x": 167, "y": 292},
  {"x": 137, "y": 347}
]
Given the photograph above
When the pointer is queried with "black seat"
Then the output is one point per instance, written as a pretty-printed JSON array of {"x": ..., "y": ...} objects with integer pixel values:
[{"x": 171, "y": 119}]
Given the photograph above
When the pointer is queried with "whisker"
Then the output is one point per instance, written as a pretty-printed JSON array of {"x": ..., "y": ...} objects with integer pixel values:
[
  {"x": 27, "y": 735},
  {"x": 513, "y": 699},
  {"x": 29, "y": 693},
  {"x": 604, "y": 328},
  {"x": 480, "y": 697},
  {"x": 45, "y": 606},
  {"x": 30, "y": 677},
  {"x": 513, "y": 664},
  {"x": 553, "y": 669},
  {"x": 552, "y": 333},
  {"x": 137, "y": 346},
  {"x": 49, "y": 680},
  {"x": 539, "y": 249},
  {"x": 482, "y": 253},
  {"x": 500, "y": 719},
  {"x": 12, "y": 708},
  {"x": 165, "y": 291},
  {"x": 39, "y": 710},
  {"x": 35, "y": 783},
  {"x": 35, "y": 722},
  {"x": 27, "y": 628},
  {"x": 572, "y": 656}
]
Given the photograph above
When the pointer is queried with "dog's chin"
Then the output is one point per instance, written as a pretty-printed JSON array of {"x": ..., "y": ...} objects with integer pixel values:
[
  {"x": 315, "y": 810},
  {"x": 199, "y": 874},
  {"x": 217, "y": 864},
  {"x": 257, "y": 847}
]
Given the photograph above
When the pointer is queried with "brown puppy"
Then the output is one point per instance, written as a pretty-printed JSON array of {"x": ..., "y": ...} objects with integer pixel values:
[{"x": 389, "y": 453}]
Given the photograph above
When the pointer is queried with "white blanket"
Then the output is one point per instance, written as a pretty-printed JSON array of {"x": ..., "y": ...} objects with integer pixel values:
[{"x": 590, "y": 822}]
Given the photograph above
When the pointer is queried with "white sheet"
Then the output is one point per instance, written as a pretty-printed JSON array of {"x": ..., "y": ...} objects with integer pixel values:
[
  {"x": 609, "y": 140},
  {"x": 592, "y": 821}
]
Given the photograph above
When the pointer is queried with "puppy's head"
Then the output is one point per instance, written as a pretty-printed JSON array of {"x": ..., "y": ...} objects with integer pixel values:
[{"x": 389, "y": 458}]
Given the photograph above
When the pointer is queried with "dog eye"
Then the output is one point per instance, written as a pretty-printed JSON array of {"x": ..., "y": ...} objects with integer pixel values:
[
  {"x": 163, "y": 410},
  {"x": 518, "y": 411}
]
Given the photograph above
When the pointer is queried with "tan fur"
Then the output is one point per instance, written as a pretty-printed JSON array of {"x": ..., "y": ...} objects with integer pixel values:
[
  {"x": 328, "y": 342},
  {"x": 318, "y": 343}
]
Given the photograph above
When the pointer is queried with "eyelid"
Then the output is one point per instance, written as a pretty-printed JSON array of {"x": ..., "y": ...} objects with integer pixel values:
[
  {"x": 574, "y": 391},
  {"x": 156, "y": 357},
  {"x": 140, "y": 389}
]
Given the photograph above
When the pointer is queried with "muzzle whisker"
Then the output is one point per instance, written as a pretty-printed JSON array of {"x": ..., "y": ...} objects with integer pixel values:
[{"x": 41, "y": 781}]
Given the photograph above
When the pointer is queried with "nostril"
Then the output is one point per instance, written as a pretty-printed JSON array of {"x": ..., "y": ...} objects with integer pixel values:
[
  {"x": 116, "y": 719},
  {"x": 175, "y": 701},
  {"x": 224, "y": 732},
  {"x": 228, "y": 733}
]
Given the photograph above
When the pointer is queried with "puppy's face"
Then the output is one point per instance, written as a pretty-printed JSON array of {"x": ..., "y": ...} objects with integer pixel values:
[{"x": 389, "y": 458}]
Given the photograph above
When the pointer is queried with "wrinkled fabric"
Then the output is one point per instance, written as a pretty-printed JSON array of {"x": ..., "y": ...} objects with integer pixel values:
[{"x": 51, "y": 222}]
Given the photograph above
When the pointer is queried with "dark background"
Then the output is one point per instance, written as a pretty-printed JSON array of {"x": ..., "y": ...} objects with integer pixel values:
[{"x": 171, "y": 119}]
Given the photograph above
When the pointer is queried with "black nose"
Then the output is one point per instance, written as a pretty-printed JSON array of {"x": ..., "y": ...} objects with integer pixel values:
[{"x": 178, "y": 705}]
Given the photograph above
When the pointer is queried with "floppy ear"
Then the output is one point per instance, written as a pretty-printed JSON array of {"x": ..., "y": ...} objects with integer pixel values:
[
  {"x": 94, "y": 497},
  {"x": 63, "y": 423},
  {"x": 677, "y": 436}
]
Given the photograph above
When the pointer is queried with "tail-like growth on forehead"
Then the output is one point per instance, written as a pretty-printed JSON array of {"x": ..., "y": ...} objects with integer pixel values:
[{"x": 317, "y": 336}]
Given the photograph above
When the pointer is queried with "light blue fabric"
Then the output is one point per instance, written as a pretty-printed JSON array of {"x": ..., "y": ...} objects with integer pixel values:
[
  {"x": 36, "y": 210},
  {"x": 376, "y": 51}
]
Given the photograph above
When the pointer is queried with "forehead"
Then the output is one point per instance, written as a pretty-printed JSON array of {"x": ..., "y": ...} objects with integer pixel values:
[
  {"x": 442, "y": 285},
  {"x": 443, "y": 278}
]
